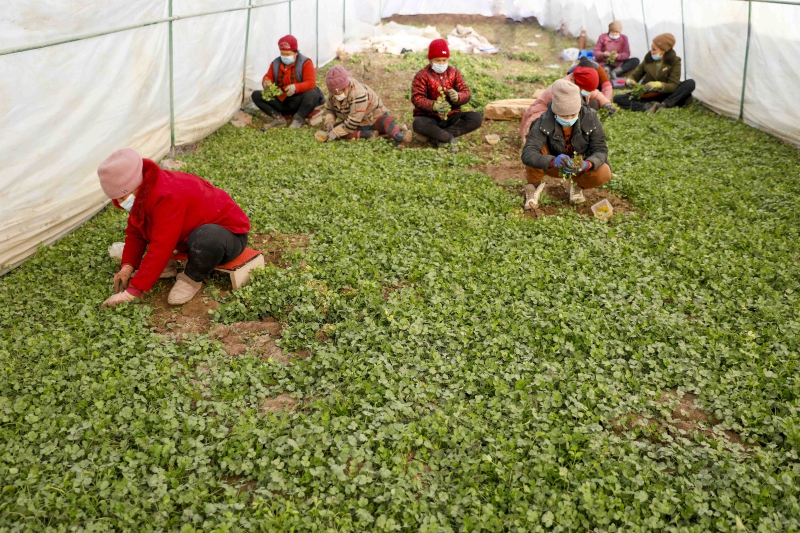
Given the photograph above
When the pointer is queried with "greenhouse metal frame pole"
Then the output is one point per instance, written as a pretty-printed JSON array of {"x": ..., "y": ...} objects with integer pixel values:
[
  {"x": 644, "y": 22},
  {"x": 746, "y": 57},
  {"x": 171, "y": 91},
  {"x": 316, "y": 60},
  {"x": 246, "y": 44},
  {"x": 683, "y": 38},
  {"x": 611, "y": 3}
]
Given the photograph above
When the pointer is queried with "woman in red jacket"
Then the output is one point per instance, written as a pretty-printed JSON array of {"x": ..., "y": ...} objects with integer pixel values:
[
  {"x": 169, "y": 211},
  {"x": 294, "y": 74},
  {"x": 442, "y": 121}
]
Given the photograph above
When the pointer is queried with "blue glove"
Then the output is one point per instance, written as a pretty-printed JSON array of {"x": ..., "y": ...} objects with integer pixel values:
[
  {"x": 562, "y": 160},
  {"x": 584, "y": 167}
]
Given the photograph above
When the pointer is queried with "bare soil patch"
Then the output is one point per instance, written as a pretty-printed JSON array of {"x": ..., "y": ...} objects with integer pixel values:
[
  {"x": 280, "y": 403},
  {"x": 275, "y": 245},
  {"x": 686, "y": 419}
]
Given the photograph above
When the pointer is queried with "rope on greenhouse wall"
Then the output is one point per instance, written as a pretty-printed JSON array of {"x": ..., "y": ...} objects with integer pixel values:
[{"x": 746, "y": 57}]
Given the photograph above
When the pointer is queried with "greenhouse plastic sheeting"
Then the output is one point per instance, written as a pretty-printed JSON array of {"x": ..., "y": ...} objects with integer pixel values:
[
  {"x": 64, "y": 108},
  {"x": 715, "y": 37}
]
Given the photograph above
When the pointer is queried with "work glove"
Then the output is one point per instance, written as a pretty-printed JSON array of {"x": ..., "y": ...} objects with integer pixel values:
[
  {"x": 332, "y": 135},
  {"x": 442, "y": 109},
  {"x": 329, "y": 126},
  {"x": 584, "y": 167},
  {"x": 266, "y": 84},
  {"x": 118, "y": 298},
  {"x": 291, "y": 89},
  {"x": 452, "y": 94},
  {"x": 562, "y": 160},
  {"x": 611, "y": 109},
  {"x": 653, "y": 86},
  {"x": 122, "y": 278},
  {"x": 629, "y": 82}
]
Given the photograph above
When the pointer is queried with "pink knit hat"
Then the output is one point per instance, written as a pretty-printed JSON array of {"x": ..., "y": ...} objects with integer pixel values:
[
  {"x": 120, "y": 173},
  {"x": 337, "y": 79}
]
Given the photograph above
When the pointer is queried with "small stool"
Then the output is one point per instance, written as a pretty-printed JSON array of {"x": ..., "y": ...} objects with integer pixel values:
[{"x": 238, "y": 269}]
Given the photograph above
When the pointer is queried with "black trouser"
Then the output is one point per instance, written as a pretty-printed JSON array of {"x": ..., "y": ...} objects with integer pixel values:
[
  {"x": 626, "y": 66},
  {"x": 209, "y": 246},
  {"x": 677, "y": 98},
  {"x": 456, "y": 125},
  {"x": 299, "y": 105}
]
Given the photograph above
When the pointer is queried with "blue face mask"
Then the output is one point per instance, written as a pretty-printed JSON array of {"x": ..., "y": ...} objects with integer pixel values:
[
  {"x": 613, "y": 37},
  {"x": 566, "y": 122},
  {"x": 127, "y": 205},
  {"x": 287, "y": 60},
  {"x": 439, "y": 69},
  {"x": 656, "y": 57},
  {"x": 585, "y": 93}
]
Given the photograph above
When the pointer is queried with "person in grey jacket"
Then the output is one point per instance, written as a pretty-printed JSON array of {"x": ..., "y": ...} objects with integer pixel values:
[{"x": 568, "y": 127}]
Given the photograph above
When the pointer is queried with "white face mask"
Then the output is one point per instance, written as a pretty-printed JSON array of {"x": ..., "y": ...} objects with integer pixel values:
[
  {"x": 585, "y": 93},
  {"x": 127, "y": 205},
  {"x": 439, "y": 69},
  {"x": 340, "y": 97}
]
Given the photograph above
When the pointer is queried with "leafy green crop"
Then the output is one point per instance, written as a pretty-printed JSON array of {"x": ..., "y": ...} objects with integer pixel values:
[
  {"x": 546, "y": 79},
  {"x": 530, "y": 57},
  {"x": 475, "y": 363}
]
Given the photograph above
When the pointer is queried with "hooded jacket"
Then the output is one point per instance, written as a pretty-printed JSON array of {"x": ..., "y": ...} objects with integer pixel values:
[
  {"x": 168, "y": 207},
  {"x": 588, "y": 139}
]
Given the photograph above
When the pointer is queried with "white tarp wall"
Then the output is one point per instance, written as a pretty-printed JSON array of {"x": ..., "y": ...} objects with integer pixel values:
[
  {"x": 64, "y": 108},
  {"x": 715, "y": 33}
]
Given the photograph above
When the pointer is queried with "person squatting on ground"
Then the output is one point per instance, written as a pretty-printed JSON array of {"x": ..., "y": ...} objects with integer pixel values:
[
  {"x": 660, "y": 73},
  {"x": 613, "y": 52},
  {"x": 438, "y": 92},
  {"x": 294, "y": 74},
  {"x": 586, "y": 79},
  {"x": 169, "y": 211},
  {"x": 358, "y": 109},
  {"x": 568, "y": 126}
]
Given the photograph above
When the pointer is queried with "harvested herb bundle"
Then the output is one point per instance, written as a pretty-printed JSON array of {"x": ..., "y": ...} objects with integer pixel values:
[{"x": 271, "y": 92}]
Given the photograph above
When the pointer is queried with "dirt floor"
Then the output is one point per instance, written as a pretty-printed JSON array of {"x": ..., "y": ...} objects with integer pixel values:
[{"x": 194, "y": 318}]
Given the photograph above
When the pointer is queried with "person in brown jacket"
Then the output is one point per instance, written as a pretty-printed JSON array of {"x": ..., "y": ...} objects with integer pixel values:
[
  {"x": 660, "y": 73},
  {"x": 359, "y": 110}
]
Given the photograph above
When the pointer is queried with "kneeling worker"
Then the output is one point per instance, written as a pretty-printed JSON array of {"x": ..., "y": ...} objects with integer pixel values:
[
  {"x": 358, "y": 109},
  {"x": 569, "y": 126},
  {"x": 294, "y": 74},
  {"x": 169, "y": 211},
  {"x": 438, "y": 92}
]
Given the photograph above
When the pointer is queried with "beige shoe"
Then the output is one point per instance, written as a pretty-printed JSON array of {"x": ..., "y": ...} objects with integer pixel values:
[
  {"x": 170, "y": 271},
  {"x": 575, "y": 194},
  {"x": 532, "y": 195},
  {"x": 184, "y": 290}
]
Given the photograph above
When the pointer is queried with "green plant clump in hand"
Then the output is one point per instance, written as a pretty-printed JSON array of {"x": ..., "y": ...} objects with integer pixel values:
[
  {"x": 603, "y": 112},
  {"x": 638, "y": 90},
  {"x": 442, "y": 105},
  {"x": 272, "y": 92},
  {"x": 569, "y": 172}
]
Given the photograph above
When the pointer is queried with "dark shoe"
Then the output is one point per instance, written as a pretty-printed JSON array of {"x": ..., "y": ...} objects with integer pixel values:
[
  {"x": 296, "y": 124},
  {"x": 689, "y": 101},
  {"x": 278, "y": 122},
  {"x": 402, "y": 139},
  {"x": 654, "y": 107},
  {"x": 452, "y": 145}
]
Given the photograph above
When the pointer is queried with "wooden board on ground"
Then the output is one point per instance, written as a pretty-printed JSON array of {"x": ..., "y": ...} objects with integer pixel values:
[{"x": 509, "y": 109}]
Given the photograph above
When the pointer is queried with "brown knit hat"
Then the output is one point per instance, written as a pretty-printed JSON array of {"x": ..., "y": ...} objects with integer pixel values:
[
  {"x": 665, "y": 41},
  {"x": 615, "y": 26},
  {"x": 337, "y": 79},
  {"x": 566, "y": 98},
  {"x": 120, "y": 173}
]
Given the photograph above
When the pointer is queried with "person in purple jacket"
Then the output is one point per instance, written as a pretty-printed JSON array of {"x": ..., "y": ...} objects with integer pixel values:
[{"x": 614, "y": 53}]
